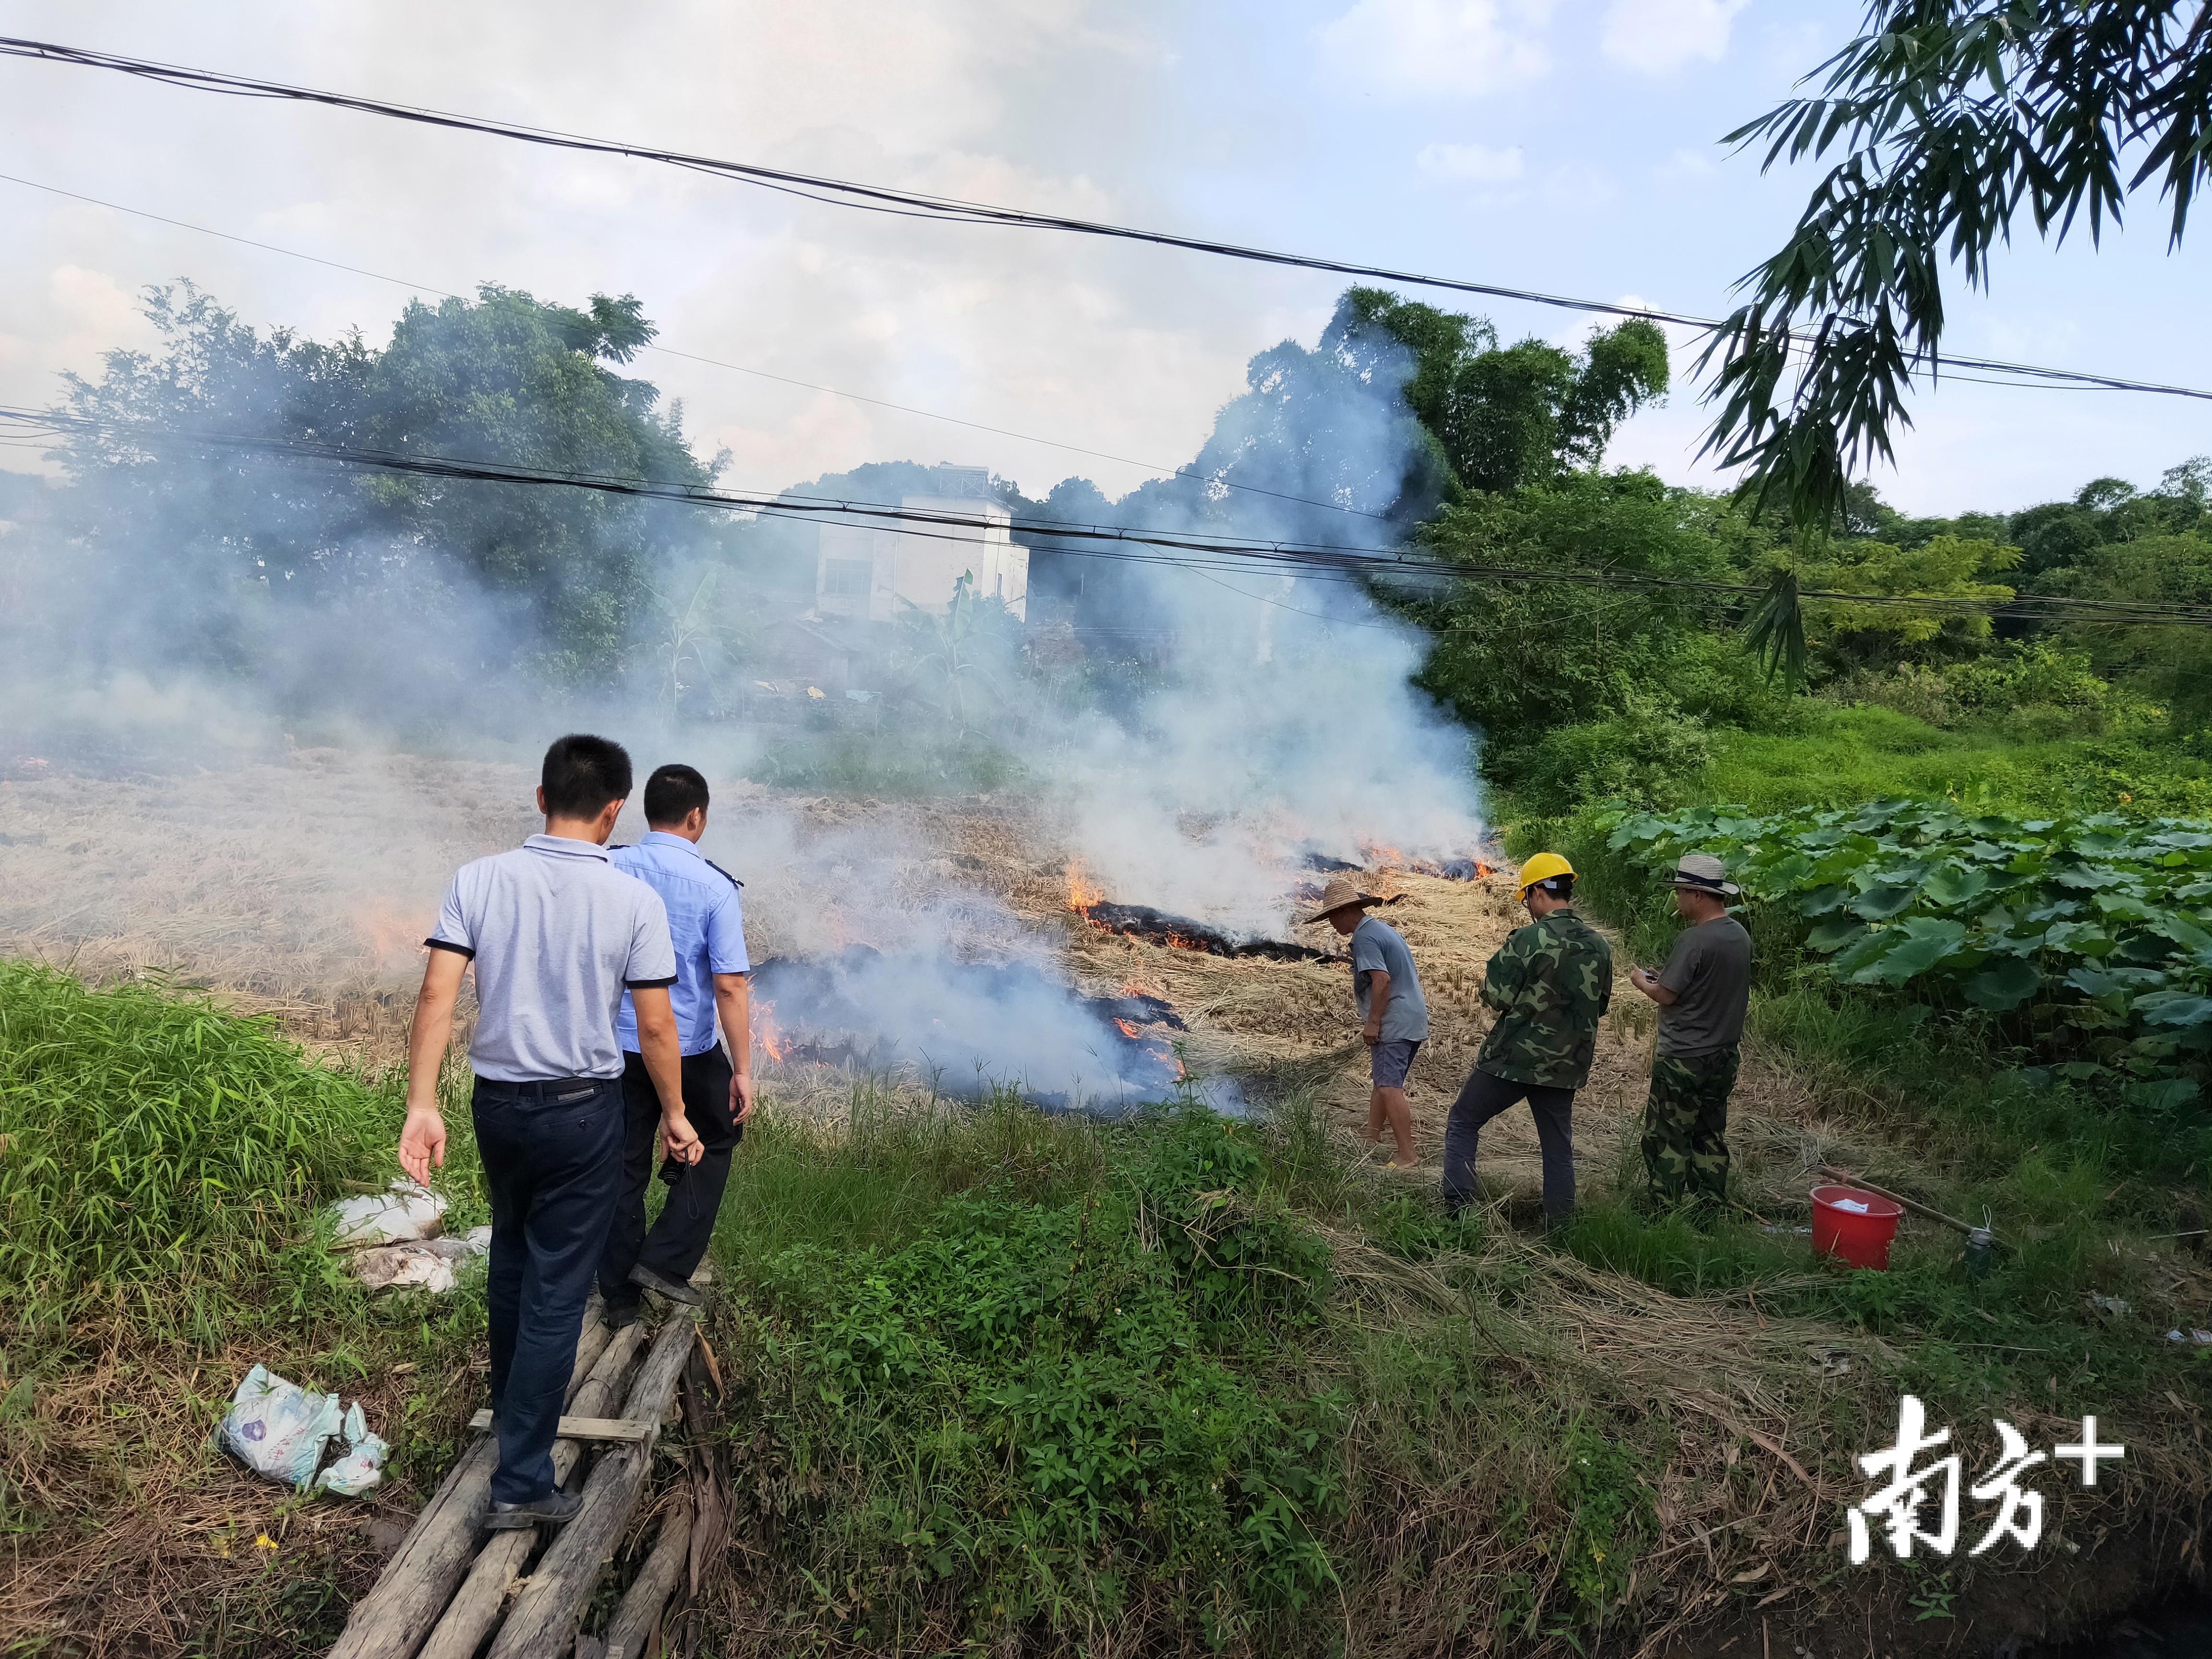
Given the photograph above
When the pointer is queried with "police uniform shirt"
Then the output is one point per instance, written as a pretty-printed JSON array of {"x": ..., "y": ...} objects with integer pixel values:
[{"x": 557, "y": 933}]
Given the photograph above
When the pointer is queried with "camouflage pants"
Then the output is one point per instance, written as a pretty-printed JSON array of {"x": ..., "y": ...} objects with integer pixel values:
[{"x": 1686, "y": 1124}]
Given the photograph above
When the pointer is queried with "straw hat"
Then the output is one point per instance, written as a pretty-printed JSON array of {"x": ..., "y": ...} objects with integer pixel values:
[
  {"x": 1340, "y": 892},
  {"x": 1702, "y": 873}
]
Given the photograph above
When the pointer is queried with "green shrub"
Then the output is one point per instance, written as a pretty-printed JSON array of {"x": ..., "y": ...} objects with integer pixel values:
[
  {"x": 1048, "y": 1411},
  {"x": 152, "y": 1145},
  {"x": 2086, "y": 941},
  {"x": 1649, "y": 753}
]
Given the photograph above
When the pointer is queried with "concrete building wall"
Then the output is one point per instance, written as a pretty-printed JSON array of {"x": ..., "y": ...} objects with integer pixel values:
[{"x": 877, "y": 573}]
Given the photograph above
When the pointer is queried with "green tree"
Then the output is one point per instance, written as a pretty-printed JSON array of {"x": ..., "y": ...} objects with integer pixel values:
[
  {"x": 2172, "y": 664},
  {"x": 1875, "y": 635},
  {"x": 1636, "y": 673},
  {"x": 313, "y": 574},
  {"x": 1499, "y": 416},
  {"x": 1949, "y": 118}
]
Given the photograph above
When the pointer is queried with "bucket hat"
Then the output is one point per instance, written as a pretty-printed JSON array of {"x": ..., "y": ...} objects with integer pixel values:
[{"x": 1702, "y": 873}]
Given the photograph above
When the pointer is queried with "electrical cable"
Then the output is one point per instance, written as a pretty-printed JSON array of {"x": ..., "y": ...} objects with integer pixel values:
[
  {"x": 713, "y": 363},
  {"x": 842, "y": 192},
  {"x": 1310, "y": 561}
]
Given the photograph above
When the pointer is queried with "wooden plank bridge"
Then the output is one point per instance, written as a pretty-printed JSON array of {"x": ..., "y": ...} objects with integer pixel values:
[{"x": 453, "y": 1590}]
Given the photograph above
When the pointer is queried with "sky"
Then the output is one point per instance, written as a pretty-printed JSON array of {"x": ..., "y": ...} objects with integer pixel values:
[{"x": 1570, "y": 146}]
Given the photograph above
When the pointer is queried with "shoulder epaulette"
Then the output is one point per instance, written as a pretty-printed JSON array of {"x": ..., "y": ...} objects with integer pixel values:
[
  {"x": 621, "y": 846},
  {"x": 720, "y": 872}
]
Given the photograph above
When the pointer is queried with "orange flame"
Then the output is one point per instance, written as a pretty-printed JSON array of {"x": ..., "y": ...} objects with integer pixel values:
[
  {"x": 1128, "y": 1029},
  {"x": 390, "y": 936},
  {"x": 772, "y": 1040},
  {"x": 1082, "y": 896}
]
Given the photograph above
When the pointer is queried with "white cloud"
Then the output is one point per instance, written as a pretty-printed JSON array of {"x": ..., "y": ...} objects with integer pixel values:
[
  {"x": 1432, "y": 47},
  {"x": 1657, "y": 36},
  {"x": 1685, "y": 165},
  {"x": 1469, "y": 164}
]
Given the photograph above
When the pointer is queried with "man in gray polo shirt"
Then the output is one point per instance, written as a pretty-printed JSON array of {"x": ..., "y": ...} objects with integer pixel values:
[
  {"x": 1393, "y": 1015},
  {"x": 556, "y": 934},
  {"x": 1703, "y": 993}
]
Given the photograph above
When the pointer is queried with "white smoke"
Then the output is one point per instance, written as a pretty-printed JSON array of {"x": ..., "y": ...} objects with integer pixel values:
[{"x": 1280, "y": 720}]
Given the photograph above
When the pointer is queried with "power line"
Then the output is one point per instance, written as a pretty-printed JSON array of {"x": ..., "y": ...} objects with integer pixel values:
[
  {"x": 1309, "y": 561},
  {"x": 1798, "y": 347},
  {"x": 714, "y": 362},
  {"x": 877, "y": 198}
]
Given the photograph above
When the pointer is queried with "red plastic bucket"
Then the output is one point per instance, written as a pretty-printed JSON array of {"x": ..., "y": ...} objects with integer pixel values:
[{"x": 1859, "y": 1237}]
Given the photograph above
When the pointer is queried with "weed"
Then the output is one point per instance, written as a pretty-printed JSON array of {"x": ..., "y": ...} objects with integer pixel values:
[{"x": 160, "y": 1154}]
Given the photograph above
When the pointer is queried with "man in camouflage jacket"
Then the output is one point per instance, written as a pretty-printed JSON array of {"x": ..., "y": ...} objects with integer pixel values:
[{"x": 1549, "y": 984}]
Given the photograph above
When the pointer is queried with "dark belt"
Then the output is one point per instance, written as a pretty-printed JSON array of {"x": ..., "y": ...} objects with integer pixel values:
[{"x": 557, "y": 1092}]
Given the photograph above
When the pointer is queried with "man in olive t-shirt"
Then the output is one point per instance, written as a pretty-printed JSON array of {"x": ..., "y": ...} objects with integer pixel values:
[{"x": 1702, "y": 994}]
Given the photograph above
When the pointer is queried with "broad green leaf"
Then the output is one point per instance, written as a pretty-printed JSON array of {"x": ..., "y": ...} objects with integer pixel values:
[
  {"x": 2085, "y": 877},
  {"x": 2182, "y": 932},
  {"x": 2163, "y": 1095},
  {"x": 1819, "y": 901},
  {"x": 1833, "y": 934},
  {"x": 2082, "y": 938},
  {"x": 2097, "y": 986},
  {"x": 2004, "y": 984},
  {"x": 2173, "y": 1008},
  {"x": 1924, "y": 942},
  {"x": 1951, "y": 885},
  {"x": 2122, "y": 907},
  {"x": 1880, "y": 903},
  {"x": 1861, "y": 951}
]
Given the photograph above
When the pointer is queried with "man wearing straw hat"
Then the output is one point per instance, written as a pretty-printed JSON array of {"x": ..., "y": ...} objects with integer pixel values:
[
  {"x": 1394, "y": 1016},
  {"x": 1702, "y": 994}
]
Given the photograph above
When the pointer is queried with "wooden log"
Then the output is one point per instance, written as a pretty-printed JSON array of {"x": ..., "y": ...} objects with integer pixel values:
[
  {"x": 476, "y": 1605},
  {"x": 542, "y": 1623},
  {"x": 631, "y": 1627},
  {"x": 702, "y": 1415},
  {"x": 583, "y": 1428},
  {"x": 392, "y": 1620}
]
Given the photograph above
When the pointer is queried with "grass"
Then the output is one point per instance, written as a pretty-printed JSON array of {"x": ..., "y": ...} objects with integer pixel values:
[
  {"x": 1013, "y": 1379},
  {"x": 1841, "y": 754},
  {"x": 1006, "y": 1380},
  {"x": 161, "y": 1155},
  {"x": 162, "y": 1164},
  {"x": 966, "y": 1345}
]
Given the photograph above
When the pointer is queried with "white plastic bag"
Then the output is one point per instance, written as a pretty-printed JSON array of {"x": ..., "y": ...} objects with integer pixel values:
[
  {"x": 429, "y": 1263},
  {"x": 277, "y": 1428},
  {"x": 362, "y": 1465},
  {"x": 406, "y": 1212}
]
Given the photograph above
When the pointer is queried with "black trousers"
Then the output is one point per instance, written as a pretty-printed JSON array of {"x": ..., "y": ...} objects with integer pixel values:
[
  {"x": 551, "y": 1156},
  {"x": 1483, "y": 1098},
  {"x": 685, "y": 1225}
]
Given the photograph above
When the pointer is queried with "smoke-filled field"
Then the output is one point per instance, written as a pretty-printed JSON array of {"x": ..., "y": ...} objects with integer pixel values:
[
  {"x": 910, "y": 952},
  {"x": 939, "y": 947},
  {"x": 1063, "y": 1305}
]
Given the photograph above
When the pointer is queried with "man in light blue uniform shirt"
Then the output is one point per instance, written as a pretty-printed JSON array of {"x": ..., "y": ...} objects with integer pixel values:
[{"x": 705, "y": 924}]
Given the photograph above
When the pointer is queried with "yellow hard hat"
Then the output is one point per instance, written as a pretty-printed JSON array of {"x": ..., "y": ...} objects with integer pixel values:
[{"x": 1543, "y": 867}]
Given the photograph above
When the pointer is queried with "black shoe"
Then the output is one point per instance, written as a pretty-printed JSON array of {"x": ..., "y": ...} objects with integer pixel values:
[
  {"x": 682, "y": 1295},
  {"x": 620, "y": 1315},
  {"x": 556, "y": 1508}
]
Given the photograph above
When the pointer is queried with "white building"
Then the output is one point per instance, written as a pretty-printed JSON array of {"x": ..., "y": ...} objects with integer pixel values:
[{"x": 877, "y": 573}]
